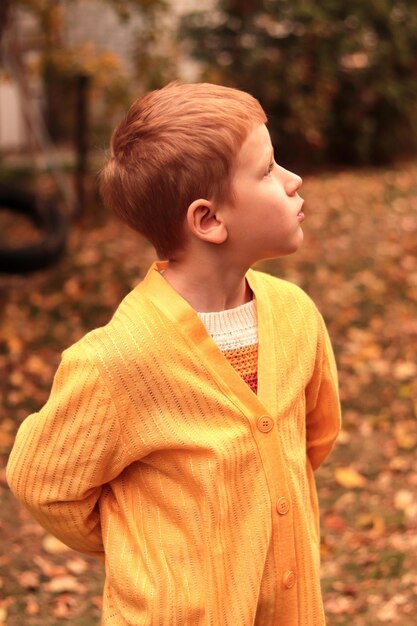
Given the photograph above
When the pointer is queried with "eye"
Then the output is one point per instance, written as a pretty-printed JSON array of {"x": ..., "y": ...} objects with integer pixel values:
[{"x": 270, "y": 168}]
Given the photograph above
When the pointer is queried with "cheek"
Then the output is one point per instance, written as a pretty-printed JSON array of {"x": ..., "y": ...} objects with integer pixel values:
[{"x": 276, "y": 194}]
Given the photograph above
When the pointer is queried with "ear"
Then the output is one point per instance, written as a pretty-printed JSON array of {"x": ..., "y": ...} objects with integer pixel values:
[{"x": 205, "y": 223}]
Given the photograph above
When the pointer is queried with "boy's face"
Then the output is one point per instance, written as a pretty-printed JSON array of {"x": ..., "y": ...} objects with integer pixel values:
[{"x": 265, "y": 218}]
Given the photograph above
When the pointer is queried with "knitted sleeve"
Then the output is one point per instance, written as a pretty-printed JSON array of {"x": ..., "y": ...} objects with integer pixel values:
[
  {"x": 64, "y": 454},
  {"x": 322, "y": 401}
]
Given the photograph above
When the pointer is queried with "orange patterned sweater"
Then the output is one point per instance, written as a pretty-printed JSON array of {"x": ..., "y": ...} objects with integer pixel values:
[{"x": 153, "y": 453}]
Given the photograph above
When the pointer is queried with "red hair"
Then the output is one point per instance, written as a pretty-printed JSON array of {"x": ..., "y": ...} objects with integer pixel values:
[{"x": 175, "y": 145}]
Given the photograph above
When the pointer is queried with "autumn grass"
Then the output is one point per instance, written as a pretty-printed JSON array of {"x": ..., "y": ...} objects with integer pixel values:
[{"x": 359, "y": 263}]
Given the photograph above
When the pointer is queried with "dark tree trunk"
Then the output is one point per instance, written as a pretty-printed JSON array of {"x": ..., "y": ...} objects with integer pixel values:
[{"x": 4, "y": 14}]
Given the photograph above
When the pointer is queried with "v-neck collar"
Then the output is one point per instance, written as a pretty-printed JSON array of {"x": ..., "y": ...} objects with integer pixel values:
[{"x": 157, "y": 289}]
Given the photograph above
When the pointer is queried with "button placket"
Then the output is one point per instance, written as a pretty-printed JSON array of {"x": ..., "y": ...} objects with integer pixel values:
[{"x": 265, "y": 424}]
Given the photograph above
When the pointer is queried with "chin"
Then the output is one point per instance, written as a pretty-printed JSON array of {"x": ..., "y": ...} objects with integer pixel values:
[
  {"x": 291, "y": 249},
  {"x": 299, "y": 242}
]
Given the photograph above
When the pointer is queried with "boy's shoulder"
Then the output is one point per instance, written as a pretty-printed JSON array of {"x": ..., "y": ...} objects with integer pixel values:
[{"x": 116, "y": 339}]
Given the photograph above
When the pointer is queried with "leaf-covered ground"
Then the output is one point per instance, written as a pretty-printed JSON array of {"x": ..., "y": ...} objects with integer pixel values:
[{"x": 359, "y": 263}]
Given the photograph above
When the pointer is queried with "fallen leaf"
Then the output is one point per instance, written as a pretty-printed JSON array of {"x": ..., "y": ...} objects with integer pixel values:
[
  {"x": 29, "y": 579},
  {"x": 97, "y": 601},
  {"x": 399, "y": 464},
  {"x": 404, "y": 369},
  {"x": 405, "y": 434},
  {"x": 369, "y": 521},
  {"x": 76, "y": 566},
  {"x": 34, "y": 365},
  {"x": 6, "y": 440},
  {"x": 64, "y": 606},
  {"x": 64, "y": 583},
  {"x": 339, "y": 606},
  {"x": 403, "y": 499},
  {"x": 3, "y": 480},
  {"x": 349, "y": 478},
  {"x": 389, "y": 610},
  {"x": 4, "y": 605},
  {"x": 49, "y": 569},
  {"x": 335, "y": 523},
  {"x": 32, "y": 606}
]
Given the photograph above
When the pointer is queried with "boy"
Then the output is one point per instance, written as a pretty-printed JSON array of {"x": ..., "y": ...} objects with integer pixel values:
[{"x": 179, "y": 441}]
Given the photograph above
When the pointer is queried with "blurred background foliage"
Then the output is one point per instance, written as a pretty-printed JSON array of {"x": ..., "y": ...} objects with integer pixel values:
[
  {"x": 338, "y": 79},
  {"x": 46, "y": 50}
]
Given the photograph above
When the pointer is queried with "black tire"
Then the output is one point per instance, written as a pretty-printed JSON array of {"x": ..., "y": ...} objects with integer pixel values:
[{"x": 47, "y": 218}]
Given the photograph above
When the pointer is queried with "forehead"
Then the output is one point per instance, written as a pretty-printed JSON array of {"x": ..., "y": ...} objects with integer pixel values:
[{"x": 256, "y": 148}]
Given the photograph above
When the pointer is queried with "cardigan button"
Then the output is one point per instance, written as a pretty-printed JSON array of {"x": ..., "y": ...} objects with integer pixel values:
[
  {"x": 265, "y": 424},
  {"x": 289, "y": 579},
  {"x": 283, "y": 506}
]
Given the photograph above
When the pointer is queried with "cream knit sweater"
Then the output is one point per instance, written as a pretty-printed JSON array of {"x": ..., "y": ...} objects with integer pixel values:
[
  {"x": 235, "y": 332},
  {"x": 154, "y": 453}
]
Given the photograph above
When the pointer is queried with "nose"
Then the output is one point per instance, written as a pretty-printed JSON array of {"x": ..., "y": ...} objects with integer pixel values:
[{"x": 292, "y": 183}]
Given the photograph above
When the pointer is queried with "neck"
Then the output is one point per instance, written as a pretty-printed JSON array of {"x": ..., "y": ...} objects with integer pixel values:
[{"x": 209, "y": 286}]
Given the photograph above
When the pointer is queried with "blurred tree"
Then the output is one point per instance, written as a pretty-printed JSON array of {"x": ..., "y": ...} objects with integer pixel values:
[
  {"x": 156, "y": 51},
  {"x": 4, "y": 14},
  {"x": 61, "y": 64},
  {"x": 74, "y": 77},
  {"x": 338, "y": 80}
]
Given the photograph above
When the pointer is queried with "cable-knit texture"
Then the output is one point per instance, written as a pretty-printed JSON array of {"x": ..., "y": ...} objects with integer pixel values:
[
  {"x": 153, "y": 453},
  {"x": 235, "y": 332}
]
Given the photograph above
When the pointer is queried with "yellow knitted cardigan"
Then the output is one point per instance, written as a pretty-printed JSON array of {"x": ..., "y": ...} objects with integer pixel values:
[{"x": 153, "y": 453}]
